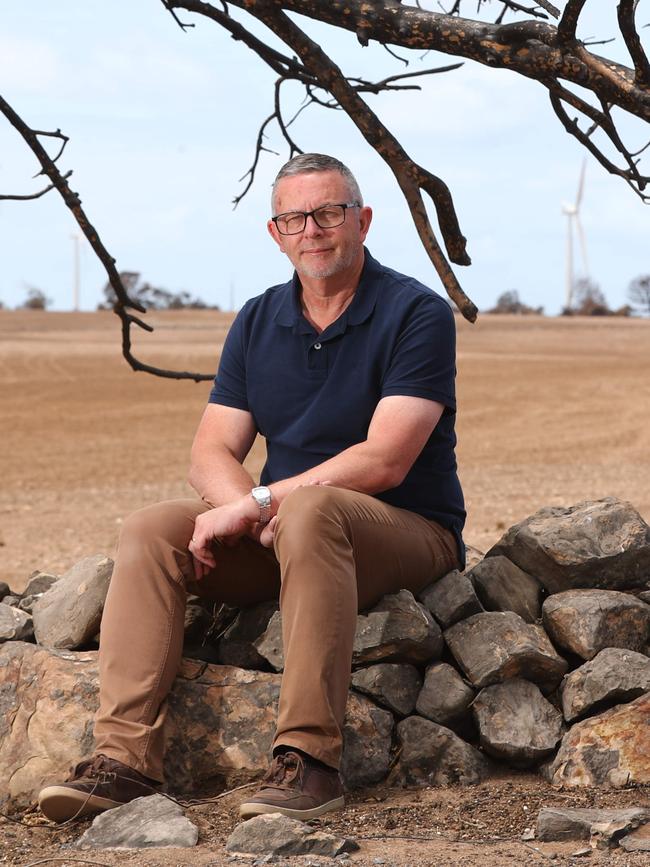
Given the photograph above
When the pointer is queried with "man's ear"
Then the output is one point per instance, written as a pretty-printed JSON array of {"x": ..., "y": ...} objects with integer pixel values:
[
  {"x": 365, "y": 219},
  {"x": 273, "y": 232}
]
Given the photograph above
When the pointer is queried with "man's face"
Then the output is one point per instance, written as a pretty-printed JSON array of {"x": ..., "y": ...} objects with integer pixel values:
[{"x": 319, "y": 253}]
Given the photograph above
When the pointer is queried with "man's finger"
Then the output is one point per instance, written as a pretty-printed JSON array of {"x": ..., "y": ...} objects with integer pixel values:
[
  {"x": 198, "y": 568},
  {"x": 268, "y": 532}
]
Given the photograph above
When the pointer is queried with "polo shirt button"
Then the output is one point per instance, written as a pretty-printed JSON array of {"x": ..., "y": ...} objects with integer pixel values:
[{"x": 317, "y": 345}]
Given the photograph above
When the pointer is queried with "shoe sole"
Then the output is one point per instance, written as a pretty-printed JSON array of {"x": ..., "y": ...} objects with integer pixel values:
[
  {"x": 248, "y": 810},
  {"x": 59, "y": 803}
]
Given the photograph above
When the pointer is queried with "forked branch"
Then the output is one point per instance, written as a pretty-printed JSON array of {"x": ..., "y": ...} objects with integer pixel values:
[{"x": 58, "y": 181}]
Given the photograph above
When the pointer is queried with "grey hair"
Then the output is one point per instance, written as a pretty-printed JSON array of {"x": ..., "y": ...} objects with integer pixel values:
[{"x": 304, "y": 163}]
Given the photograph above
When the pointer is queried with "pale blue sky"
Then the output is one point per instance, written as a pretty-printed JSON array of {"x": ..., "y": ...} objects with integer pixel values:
[{"x": 163, "y": 123}]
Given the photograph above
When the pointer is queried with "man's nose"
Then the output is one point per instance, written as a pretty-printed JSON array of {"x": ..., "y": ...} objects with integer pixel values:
[{"x": 311, "y": 227}]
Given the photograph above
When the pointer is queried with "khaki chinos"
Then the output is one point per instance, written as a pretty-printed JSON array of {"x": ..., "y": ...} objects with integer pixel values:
[{"x": 335, "y": 552}]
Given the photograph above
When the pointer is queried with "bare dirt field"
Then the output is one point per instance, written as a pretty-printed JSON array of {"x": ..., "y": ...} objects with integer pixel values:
[{"x": 551, "y": 411}]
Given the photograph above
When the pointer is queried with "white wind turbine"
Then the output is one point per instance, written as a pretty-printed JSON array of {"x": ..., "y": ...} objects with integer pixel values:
[{"x": 572, "y": 213}]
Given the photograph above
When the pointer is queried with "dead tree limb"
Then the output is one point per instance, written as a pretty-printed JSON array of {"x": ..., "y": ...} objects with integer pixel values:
[{"x": 59, "y": 182}]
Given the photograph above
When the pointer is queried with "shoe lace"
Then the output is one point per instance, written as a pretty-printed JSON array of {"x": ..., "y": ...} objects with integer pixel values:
[
  {"x": 286, "y": 769},
  {"x": 99, "y": 768}
]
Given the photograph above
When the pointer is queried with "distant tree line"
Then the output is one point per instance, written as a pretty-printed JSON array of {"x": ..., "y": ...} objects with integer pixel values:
[
  {"x": 153, "y": 297},
  {"x": 588, "y": 300}
]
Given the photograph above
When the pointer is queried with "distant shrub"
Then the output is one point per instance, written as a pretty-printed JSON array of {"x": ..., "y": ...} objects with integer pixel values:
[
  {"x": 36, "y": 300},
  {"x": 508, "y": 302},
  {"x": 588, "y": 300}
]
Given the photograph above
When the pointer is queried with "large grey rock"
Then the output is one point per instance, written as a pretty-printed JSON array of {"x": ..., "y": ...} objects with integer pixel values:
[
  {"x": 603, "y": 543},
  {"x": 392, "y": 685},
  {"x": 367, "y": 742},
  {"x": 397, "y": 629},
  {"x": 15, "y": 625},
  {"x": 219, "y": 728},
  {"x": 586, "y": 621},
  {"x": 275, "y": 835},
  {"x": 516, "y": 723},
  {"x": 556, "y": 824},
  {"x": 237, "y": 646},
  {"x": 68, "y": 615},
  {"x": 610, "y": 749},
  {"x": 613, "y": 676},
  {"x": 269, "y": 644},
  {"x": 444, "y": 697},
  {"x": 451, "y": 599},
  {"x": 145, "y": 823},
  {"x": 5, "y": 590},
  {"x": 494, "y": 646},
  {"x": 432, "y": 755},
  {"x": 502, "y": 586}
]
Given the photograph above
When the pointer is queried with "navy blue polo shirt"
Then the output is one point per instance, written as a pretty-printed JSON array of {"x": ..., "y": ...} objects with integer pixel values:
[{"x": 313, "y": 395}]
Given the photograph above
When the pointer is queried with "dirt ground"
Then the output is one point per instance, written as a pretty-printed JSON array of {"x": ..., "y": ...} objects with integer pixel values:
[{"x": 551, "y": 412}]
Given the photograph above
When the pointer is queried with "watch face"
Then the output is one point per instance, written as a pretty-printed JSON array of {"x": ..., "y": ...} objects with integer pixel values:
[{"x": 262, "y": 495}]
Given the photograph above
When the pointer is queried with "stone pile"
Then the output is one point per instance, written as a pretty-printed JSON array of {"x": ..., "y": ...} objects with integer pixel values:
[{"x": 536, "y": 656}]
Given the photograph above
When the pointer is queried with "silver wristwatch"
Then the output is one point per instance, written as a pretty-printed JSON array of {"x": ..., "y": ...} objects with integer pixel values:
[{"x": 262, "y": 496}]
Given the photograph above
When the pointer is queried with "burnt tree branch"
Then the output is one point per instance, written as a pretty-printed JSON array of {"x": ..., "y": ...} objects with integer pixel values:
[
  {"x": 626, "y": 12},
  {"x": 124, "y": 302}
]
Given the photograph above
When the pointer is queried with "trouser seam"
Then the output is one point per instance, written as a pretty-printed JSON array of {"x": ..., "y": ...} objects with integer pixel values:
[{"x": 163, "y": 661}]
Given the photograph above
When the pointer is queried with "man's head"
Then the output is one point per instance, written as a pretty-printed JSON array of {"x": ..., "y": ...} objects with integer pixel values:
[{"x": 330, "y": 241}]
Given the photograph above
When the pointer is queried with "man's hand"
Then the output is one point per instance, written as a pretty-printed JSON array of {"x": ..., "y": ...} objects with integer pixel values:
[{"x": 227, "y": 524}]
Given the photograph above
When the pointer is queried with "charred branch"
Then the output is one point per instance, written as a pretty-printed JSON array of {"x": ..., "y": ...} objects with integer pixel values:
[
  {"x": 626, "y": 22},
  {"x": 601, "y": 120},
  {"x": 29, "y": 196},
  {"x": 566, "y": 29},
  {"x": 124, "y": 302},
  {"x": 530, "y": 48}
]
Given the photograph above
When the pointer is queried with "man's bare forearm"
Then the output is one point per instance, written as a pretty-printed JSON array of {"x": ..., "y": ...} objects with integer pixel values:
[
  {"x": 362, "y": 467},
  {"x": 218, "y": 477}
]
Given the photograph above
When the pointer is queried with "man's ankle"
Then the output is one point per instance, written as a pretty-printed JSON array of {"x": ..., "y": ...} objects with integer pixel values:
[{"x": 281, "y": 749}]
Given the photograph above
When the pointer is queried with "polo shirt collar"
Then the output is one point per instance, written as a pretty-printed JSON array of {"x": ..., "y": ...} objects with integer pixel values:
[{"x": 363, "y": 304}]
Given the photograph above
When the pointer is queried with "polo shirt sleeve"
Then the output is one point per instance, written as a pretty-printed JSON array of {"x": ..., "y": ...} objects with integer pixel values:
[
  {"x": 229, "y": 387},
  {"x": 423, "y": 362}
]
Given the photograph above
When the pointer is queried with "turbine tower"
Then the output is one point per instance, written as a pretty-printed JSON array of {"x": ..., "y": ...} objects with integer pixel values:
[{"x": 572, "y": 213}]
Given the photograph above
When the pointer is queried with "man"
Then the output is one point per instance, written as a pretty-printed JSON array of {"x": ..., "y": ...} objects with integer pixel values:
[{"x": 348, "y": 372}]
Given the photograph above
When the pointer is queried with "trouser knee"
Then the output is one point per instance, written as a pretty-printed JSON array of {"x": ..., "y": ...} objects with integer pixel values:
[
  {"x": 168, "y": 521},
  {"x": 309, "y": 516}
]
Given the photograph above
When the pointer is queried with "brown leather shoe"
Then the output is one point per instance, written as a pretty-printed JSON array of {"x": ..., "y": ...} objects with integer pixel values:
[
  {"x": 95, "y": 784},
  {"x": 297, "y": 788}
]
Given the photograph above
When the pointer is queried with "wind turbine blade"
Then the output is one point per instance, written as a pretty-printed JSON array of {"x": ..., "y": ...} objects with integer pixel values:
[
  {"x": 583, "y": 245},
  {"x": 581, "y": 184}
]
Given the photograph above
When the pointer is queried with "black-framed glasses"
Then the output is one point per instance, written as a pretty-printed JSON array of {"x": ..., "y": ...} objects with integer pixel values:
[{"x": 325, "y": 217}]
